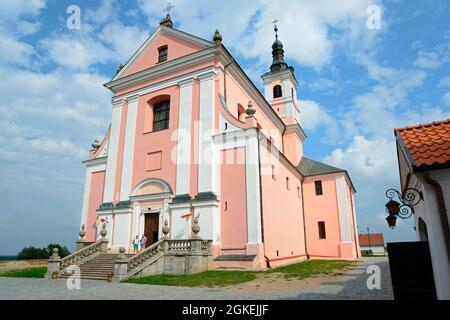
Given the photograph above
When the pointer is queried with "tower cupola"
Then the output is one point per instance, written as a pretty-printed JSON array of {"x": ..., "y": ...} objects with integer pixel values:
[{"x": 278, "y": 63}]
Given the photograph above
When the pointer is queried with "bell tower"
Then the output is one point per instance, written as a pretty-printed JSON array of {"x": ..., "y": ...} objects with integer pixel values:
[{"x": 280, "y": 90}]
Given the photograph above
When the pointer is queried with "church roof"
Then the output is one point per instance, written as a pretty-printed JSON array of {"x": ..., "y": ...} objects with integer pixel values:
[{"x": 308, "y": 167}]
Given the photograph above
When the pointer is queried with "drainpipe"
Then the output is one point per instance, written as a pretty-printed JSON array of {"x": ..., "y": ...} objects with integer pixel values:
[
  {"x": 442, "y": 210},
  {"x": 261, "y": 206},
  {"x": 304, "y": 220}
]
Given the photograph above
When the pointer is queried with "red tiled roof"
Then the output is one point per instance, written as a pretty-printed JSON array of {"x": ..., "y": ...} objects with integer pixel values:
[
  {"x": 427, "y": 144},
  {"x": 376, "y": 239}
]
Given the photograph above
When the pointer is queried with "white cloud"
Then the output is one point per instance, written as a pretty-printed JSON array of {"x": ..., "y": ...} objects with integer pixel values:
[
  {"x": 97, "y": 42},
  {"x": 446, "y": 98},
  {"x": 75, "y": 53},
  {"x": 444, "y": 82},
  {"x": 251, "y": 33},
  {"x": 368, "y": 159},
  {"x": 312, "y": 115},
  {"x": 60, "y": 113},
  {"x": 322, "y": 84},
  {"x": 380, "y": 109},
  {"x": 13, "y": 51},
  {"x": 433, "y": 59},
  {"x": 13, "y": 10}
]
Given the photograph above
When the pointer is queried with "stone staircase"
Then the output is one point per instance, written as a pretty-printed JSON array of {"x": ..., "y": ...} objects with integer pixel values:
[
  {"x": 166, "y": 256},
  {"x": 97, "y": 268}
]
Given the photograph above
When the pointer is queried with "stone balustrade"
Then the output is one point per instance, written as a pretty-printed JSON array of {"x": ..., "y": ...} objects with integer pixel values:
[
  {"x": 84, "y": 254},
  {"x": 166, "y": 257}
]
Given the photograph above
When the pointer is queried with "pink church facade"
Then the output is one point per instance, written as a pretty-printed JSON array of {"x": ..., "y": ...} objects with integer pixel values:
[{"x": 191, "y": 135}]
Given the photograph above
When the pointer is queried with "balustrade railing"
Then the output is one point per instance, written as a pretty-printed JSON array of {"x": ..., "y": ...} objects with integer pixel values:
[
  {"x": 179, "y": 246},
  {"x": 206, "y": 246},
  {"x": 82, "y": 255},
  {"x": 145, "y": 255}
]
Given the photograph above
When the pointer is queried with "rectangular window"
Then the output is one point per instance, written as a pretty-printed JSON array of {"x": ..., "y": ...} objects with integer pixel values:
[
  {"x": 162, "y": 54},
  {"x": 322, "y": 232},
  {"x": 298, "y": 193},
  {"x": 273, "y": 173},
  {"x": 161, "y": 116},
  {"x": 318, "y": 185},
  {"x": 287, "y": 183}
]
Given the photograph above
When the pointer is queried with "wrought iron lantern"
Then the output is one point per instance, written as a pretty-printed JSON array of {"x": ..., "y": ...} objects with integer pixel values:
[
  {"x": 403, "y": 209},
  {"x": 391, "y": 220}
]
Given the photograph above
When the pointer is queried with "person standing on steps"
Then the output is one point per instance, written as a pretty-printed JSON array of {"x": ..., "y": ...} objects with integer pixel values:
[
  {"x": 143, "y": 241},
  {"x": 136, "y": 244}
]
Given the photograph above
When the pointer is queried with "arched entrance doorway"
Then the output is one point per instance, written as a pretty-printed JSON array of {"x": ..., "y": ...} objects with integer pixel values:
[{"x": 150, "y": 201}]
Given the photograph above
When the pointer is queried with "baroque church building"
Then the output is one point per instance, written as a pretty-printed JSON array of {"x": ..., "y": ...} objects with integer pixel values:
[{"x": 192, "y": 136}]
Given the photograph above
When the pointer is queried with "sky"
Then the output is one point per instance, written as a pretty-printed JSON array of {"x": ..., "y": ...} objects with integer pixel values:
[{"x": 357, "y": 81}]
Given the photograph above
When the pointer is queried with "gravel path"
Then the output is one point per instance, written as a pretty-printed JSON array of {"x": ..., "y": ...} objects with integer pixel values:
[{"x": 350, "y": 285}]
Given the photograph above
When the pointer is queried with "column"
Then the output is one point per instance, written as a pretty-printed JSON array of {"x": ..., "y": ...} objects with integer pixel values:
[
  {"x": 208, "y": 158},
  {"x": 253, "y": 190},
  {"x": 343, "y": 210},
  {"x": 128, "y": 152},
  {"x": 113, "y": 148},
  {"x": 184, "y": 139}
]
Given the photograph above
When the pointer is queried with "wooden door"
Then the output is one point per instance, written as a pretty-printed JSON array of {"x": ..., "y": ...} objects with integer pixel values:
[{"x": 151, "y": 228}]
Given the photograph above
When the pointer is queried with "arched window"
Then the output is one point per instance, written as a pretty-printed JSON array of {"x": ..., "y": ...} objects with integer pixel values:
[
  {"x": 277, "y": 91},
  {"x": 161, "y": 112},
  {"x": 162, "y": 54},
  {"x": 241, "y": 113}
]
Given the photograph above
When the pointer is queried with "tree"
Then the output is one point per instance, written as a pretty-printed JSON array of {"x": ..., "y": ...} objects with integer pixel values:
[
  {"x": 63, "y": 250},
  {"x": 31, "y": 252}
]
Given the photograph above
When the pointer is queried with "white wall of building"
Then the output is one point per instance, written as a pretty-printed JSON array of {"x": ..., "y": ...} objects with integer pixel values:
[{"x": 428, "y": 211}]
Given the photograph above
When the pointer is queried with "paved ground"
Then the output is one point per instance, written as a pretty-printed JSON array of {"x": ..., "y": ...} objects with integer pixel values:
[{"x": 350, "y": 285}]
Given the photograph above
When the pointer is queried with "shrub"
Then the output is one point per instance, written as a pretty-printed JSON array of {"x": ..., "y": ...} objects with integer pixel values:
[
  {"x": 31, "y": 252},
  {"x": 63, "y": 250}
]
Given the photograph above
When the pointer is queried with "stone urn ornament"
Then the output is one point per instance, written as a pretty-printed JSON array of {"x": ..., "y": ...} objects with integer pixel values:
[
  {"x": 195, "y": 229},
  {"x": 103, "y": 233},
  {"x": 251, "y": 110},
  {"x": 82, "y": 232},
  {"x": 166, "y": 229}
]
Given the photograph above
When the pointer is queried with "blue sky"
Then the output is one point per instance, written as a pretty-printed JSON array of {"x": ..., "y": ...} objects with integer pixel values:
[{"x": 356, "y": 85}]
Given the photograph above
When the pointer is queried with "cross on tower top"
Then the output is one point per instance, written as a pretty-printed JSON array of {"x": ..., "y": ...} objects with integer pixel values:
[
  {"x": 169, "y": 7},
  {"x": 275, "y": 28}
]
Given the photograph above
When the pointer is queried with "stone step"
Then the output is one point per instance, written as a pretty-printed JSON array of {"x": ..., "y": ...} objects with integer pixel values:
[
  {"x": 99, "y": 274},
  {"x": 103, "y": 278},
  {"x": 93, "y": 266},
  {"x": 98, "y": 270}
]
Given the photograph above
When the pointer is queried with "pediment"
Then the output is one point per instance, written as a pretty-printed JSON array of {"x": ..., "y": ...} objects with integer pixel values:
[{"x": 178, "y": 42}]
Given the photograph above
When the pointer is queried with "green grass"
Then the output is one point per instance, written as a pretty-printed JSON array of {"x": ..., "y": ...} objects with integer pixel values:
[
  {"x": 204, "y": 279},
  {"x": 38, "y": 272},
  {"x": 224, "y": 278},
  {"x": 311, "y": 268}
]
